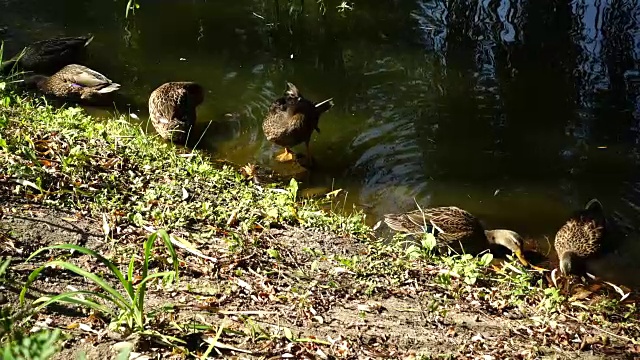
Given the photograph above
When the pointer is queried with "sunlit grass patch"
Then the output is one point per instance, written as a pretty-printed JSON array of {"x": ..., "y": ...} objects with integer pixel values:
[
  {"x": 65, "y": 157},
  {"x": 260, "y": 250}
]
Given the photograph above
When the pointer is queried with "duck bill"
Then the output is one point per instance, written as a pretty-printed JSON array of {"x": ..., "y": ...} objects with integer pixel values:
[{"x": 520, "y": 257}]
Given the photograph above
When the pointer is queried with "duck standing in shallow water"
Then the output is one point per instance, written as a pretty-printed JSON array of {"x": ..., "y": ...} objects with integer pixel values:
[
  {"x": 581, "y": 238},
  {"x": 452, "y": 226},
  {"x": 48, "y": 56},
  {"x": 172, "y": 109},
  {"x": 75, "y": 83},
  {"x": 291, "y": 120}
]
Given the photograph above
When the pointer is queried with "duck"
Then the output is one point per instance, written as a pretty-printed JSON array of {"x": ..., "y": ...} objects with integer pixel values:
[
  {"x": 48, "y": 56},
  {"x": 581, "y": 238},
  {"x": 74, "y": 83},
  {"x": 172, "y": 109},
  {"x": 455, "y": 227},
  {"x": 291, "y": 120}
]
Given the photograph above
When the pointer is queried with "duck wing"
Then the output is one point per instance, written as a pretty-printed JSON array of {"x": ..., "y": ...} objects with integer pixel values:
[
  {"x": 82, "y": 75},
  {"x": 58, "y": 46},
  {"x": 583, "y": 232},
  {"x": 450, "y": 222}
]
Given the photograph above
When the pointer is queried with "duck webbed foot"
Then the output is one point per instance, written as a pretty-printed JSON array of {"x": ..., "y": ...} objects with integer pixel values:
[{"x": 287, "y": 155}]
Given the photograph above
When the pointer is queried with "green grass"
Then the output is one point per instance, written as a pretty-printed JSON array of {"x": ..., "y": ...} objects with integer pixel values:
[
  {"x": 62, "y": 157},
  {"x": 17, "y": 344},
  {"x": 110, "y": 170},
  {"x": 130, "y": 303}
]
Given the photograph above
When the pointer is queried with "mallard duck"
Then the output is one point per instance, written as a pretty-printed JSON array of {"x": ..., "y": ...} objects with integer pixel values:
[
  {"x": 452, "y": 226},
  {"x": 49, "y": 56},
  {"x": 172, "y": 109},
  {"x": 291, "y": 120},
  {"x": 580, "y": 238},
  {"x": 75, "y": 83}
]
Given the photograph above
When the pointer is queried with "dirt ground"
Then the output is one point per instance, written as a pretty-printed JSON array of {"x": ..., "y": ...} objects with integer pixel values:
[{"x": 327, "y": 311}]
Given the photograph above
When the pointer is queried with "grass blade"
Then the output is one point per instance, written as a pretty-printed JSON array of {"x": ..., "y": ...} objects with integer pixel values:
[
  {"x": 140, "y": 294},
  {"x": 144, "y": 281},
  {"x": 131, "y": 269},
  {"x": 69, "y": 297},
  {"x": 172, "y": 251},
  {"x": 119, "y": 300},
  {"x": 4, "y": 265},
  {"x": 114, "y": 269},
  {"x": 148, "y": 245},
  {"x": 212, "y": 345}
]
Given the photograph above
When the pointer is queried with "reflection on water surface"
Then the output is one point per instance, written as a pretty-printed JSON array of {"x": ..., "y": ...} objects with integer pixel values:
[{"x": 517, "y": 111}]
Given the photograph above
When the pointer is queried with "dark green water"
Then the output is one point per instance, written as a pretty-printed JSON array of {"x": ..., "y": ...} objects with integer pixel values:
[{"x": 517, "y": 111}]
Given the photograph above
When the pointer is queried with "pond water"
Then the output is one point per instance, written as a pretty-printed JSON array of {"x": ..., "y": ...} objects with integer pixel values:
[{"x": 518, "y": 111}]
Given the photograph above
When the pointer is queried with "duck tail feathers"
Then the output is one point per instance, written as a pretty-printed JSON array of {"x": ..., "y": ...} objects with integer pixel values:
[
  {"x": 395, "y": 223},
  {"x": 89, "y": 40},
  {"x": 594, "y": 204},
  {"x": 110, "y": 88},
  {"x": 325, "y": 105}
]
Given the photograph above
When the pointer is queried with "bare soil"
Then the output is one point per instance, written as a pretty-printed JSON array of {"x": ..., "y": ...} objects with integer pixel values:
[{"x": 304, "y": 304}]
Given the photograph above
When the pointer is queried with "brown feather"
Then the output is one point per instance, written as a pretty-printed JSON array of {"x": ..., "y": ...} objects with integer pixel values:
[
  {"x": 74, "y": 83},
  {"x": 292, "y": 119},
  {"x": 581, "y": 237},
  {"x": 456, "y": 228},
  {"x": 49, "y": 56},
  {"x": 172, "y": 109},
  {"x": 451, "y": 224}
]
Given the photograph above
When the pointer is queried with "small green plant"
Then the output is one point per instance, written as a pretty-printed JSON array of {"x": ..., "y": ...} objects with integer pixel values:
[
  {"x": 9, "y": 74},
  {"x": 630, "y": 310},
  {"x": 130, "y": 303},
  {"x": 519, "y": 284},
  {"x": 4, "y": 265},
  {"x": 39, "y": 346},
  {"x": 424, "y": 250},
  {"x": 466, "y": 266},
  {"x": 552, "y": 298}
]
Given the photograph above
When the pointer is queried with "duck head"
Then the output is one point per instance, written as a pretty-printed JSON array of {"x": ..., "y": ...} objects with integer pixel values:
[
  {"x": 196, "y": 93},
  {"x": 35, "y": 81},
  {"x": 571, "y": 264},
  {"x": 292, "y": 91},
  {"x": 509, "y": 239}
]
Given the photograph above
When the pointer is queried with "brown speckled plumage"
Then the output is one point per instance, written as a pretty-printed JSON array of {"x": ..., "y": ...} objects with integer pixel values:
[
  {"x": 172, "y": 109},
  {"x": 292, "y": 119},
  {"x": 75, "y": 83},
  {"x": 451, "y": 223},
  {"x": 580, "y": 238},
  {"x": 453, "y": 227},
  {"x": 49, "y": 56}
]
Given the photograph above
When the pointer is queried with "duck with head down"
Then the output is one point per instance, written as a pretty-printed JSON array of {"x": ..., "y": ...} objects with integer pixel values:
[
  {"x": 48, "y": 56},
  {"x": 74, "y": 83},
  {"x": 452, "y": 226},
  {"x": 291, "y": 120},
  {"x": 581, "y": 238},
  {"x": 172, "y": 109}
]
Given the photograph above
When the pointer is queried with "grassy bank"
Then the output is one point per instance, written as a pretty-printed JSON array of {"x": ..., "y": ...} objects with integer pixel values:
[{"x": 260, "y": 272}]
